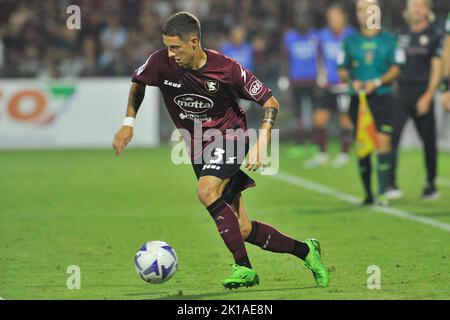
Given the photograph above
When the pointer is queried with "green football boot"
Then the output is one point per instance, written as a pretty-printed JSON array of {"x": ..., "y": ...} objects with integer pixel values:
[
  {"x": 314, "y": 263},
  {"x": 241, "y": 277}
]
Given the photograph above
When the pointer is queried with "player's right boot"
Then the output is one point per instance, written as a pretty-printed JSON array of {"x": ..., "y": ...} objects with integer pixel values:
[
  {"x": 393, "y": 193},
  {"x": 319, "y": 160},
  {"x": 314, "y": 263},
  {"x": 341, "y": 160},
  {"x": 430, "y": 193},
  {"x": 241, "y": 277},
  {"x": 382, "y": 201}
]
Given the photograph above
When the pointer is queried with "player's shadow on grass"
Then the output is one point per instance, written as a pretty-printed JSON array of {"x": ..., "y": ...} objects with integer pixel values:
[{"x": 224, "y": 293}]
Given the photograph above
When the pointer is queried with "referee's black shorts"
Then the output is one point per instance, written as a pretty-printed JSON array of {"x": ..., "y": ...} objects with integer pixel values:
[{"x": 381, "y": 106}]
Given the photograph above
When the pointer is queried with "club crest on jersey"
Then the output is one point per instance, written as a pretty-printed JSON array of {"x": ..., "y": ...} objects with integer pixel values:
[
  {"x": 424, "y": 40},
  {"x": 211, "y": 86}
]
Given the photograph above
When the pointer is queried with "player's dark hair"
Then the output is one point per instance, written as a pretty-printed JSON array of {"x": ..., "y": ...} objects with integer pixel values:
[
  {"x": 338, "y": 6},
  {"x": 182, "y": 25}
]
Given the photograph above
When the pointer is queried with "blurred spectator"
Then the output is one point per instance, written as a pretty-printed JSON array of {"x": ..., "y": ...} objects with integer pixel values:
[
  {"x": 302, "y": 48},
  {"x": 239, "y": 48},
  {"x": 117, "y": 35}
]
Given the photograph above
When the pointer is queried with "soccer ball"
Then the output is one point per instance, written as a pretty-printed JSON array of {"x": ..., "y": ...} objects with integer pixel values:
[{"x": 156, "y": 262}]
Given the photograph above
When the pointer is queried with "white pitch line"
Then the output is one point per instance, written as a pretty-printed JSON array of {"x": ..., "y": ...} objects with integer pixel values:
[
  {"x": 443, "y": 182},
  {"x": 319, "y": 188}
]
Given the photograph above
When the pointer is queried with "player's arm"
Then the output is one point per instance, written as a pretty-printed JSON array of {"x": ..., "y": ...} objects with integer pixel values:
[
  {"x": 125, "y": 133},
  {"x": 258, "y": 153},
  {"x": 425, "y": 101},
  {"x": 388, "y": 78},
  {"x": 446, "y": 55},
  {"x": 346, "y": 77}
]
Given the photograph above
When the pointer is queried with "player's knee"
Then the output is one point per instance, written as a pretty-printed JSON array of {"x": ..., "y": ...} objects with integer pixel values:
[{"x": 208, "y": 195}]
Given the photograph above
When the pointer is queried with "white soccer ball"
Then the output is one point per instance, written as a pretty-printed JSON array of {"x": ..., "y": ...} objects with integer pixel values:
[{"x": 156, "y": 262}]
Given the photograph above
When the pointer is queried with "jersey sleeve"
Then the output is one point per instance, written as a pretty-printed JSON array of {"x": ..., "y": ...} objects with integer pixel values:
[
  {"x": 147, "y": 74},
  {"x": 287, "y": 37},
  {"x": 397, "y": 54},
  {"x": 437, "y": 46},
  {"x": 343, "y": 58},
  {"x": 447, "y": 25},
  {"x": 248, "y": 86}
]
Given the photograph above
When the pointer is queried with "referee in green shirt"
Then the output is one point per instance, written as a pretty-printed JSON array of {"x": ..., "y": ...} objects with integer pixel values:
[{"x": 370, "y": 60}]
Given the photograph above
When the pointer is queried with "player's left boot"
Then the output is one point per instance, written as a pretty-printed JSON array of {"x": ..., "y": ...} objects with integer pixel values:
[
  {"x": 241, "y": 277},
  {"x": 314, "y": 263}
]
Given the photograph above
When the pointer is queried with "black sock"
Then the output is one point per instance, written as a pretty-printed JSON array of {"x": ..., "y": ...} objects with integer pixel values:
[
  {"x": 365, "y": 170},
  {"x": 301, "y": 250},
  {"x": 384, "y": 168},
  {"x": 244, "y": 262}
]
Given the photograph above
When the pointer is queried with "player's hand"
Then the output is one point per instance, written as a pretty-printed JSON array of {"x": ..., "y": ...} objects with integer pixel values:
[
  {"x": 122, "y": 138},
  {"x": 424, "y": 104},
  {"x": 357, "y": 85},
  {"x": 446, "y": 100},
  {"x": 257, "y": 157},
  {"x": 370, "y": 87}
]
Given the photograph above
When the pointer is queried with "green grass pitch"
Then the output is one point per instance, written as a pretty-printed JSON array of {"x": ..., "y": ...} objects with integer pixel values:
[{"x": 93, "y": 210}]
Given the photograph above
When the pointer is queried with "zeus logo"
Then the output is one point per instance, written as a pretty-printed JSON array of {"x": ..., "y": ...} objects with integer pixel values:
[
  {"x": 219, "y": 154},
  {"x": 172, "y": 84}
]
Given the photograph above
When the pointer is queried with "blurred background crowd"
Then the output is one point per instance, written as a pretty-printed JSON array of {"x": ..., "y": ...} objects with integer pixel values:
[{"x": 116, "y": 36}]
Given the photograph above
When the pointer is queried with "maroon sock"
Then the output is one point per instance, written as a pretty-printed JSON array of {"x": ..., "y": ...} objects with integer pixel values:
[
  {"x": 346, "y": 140},
  {"x": 268, "y": 238},
  {"x": 228, "y": 227},
  {"x": 320, "y": 138}
]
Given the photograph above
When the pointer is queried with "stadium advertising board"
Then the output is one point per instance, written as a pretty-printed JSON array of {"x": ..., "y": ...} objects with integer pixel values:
[{"x": 71, "y": 114}]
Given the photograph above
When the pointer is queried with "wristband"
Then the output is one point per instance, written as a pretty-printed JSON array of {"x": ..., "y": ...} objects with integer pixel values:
[
  {"x": 128, "y": 121},
  {"x": 378, "y": 83}
]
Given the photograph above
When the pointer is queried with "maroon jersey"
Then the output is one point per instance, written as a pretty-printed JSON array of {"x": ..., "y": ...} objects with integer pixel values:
[{"x": 207, "y": 96}]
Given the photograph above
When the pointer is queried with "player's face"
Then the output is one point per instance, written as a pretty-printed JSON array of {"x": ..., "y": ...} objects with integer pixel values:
[
  {"x": 336, "y": 20},
  {"x": 181, "y": 51},
  {"x": 238, "y": 35},
  {"x": 364, "y": 12},
  {"x": 418, "y": 10}
]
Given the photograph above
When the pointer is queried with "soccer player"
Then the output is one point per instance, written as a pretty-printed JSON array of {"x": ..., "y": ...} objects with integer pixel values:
[
  {"x": 446, "y": 55},
  {"x": 335, "y": 96},
  {"x": 370, "y": 61},
  {"x": 418, "y": 83},
  {"x": 302, "y": 47},
  {"x": 239, "y": 48},
  {"x": 200, "y": 88},
  {"x": 242, "y": 51}
]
